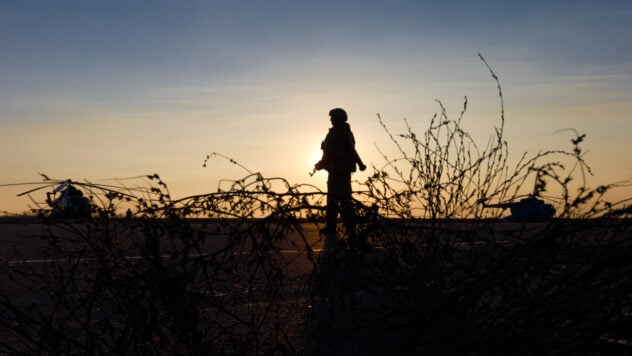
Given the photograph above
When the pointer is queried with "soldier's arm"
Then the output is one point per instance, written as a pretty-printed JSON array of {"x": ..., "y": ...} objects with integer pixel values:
[{"x": 356, "y": 156}]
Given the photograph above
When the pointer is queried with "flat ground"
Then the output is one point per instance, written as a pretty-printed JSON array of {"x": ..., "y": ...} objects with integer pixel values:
[{"x": 496, "y": 257}]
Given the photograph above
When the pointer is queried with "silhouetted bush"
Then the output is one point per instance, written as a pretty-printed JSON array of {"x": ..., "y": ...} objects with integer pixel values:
[{"x": 210, "y": 274}]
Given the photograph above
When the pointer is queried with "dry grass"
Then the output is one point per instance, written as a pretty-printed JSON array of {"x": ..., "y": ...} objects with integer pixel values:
[{"x": 440, "y": 276}]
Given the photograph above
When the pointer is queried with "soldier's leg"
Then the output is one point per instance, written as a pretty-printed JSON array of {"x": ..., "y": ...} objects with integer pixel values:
[
  {"x": 333, "y": 200},
  {"x": 349, "y": 217},
  {"x": 331, "y": 213},
  {"x": 346, "y": 204}
]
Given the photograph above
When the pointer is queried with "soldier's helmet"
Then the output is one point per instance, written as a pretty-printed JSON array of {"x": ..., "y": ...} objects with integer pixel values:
[{"x": 338, "y": 115}]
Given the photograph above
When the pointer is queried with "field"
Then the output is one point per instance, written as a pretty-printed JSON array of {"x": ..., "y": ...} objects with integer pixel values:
[
  {"x": 433, "y": 266},
  {"x": 134, "y": 286}
]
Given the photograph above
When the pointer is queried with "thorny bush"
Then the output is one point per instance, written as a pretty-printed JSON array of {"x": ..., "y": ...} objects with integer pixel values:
[{"x": 211, "y": 273}]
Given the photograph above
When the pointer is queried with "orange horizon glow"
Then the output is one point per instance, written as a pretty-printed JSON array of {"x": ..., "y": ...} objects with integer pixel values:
[{"x": 99, "y": 91}]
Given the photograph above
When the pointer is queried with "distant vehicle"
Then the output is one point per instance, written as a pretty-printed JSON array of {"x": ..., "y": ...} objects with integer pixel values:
[
  {"x": 530, "y": 208},
  {"x": 67, "y": 201}
]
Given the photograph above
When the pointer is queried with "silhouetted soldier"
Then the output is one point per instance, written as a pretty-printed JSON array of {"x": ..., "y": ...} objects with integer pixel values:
[{"x": 339, "y": 160}]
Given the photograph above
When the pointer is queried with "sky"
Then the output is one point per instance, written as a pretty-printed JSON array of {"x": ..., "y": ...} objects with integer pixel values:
[{"x": 112, "y": 89}]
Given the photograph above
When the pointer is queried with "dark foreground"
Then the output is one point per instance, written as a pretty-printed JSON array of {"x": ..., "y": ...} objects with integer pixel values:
[{"x": 278, "y": 287}]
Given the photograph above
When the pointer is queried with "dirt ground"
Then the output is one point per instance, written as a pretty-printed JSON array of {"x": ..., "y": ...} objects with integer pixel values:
[{"x": 356, "y": 306}]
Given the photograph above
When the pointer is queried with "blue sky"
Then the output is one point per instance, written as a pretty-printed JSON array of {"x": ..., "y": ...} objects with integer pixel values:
[{"x": 101, "y": 89}]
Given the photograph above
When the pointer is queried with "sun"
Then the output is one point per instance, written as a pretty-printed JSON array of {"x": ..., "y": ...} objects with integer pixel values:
[{"x": 316, "y": 155}]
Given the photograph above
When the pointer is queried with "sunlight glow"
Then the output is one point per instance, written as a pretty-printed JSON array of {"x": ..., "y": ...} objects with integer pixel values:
[
  {"x": 316, "y": 155},
  {"x": 79, "y": 101}
]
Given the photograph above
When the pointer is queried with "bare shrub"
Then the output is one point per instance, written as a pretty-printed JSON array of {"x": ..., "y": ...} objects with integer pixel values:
[{"x": 210, "y": 274}]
